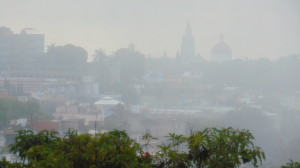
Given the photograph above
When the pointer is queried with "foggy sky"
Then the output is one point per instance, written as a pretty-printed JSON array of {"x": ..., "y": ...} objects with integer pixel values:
[{"x": 252, "y": 28}]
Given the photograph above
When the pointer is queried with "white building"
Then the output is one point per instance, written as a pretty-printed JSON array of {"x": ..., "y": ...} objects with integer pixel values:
[{"x": 107, "y": 105}]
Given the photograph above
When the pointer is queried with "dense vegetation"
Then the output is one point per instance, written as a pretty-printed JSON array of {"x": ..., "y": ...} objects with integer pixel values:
[
  {"x": 224, "y": 147},
  {"x": 13, "y": 109}
]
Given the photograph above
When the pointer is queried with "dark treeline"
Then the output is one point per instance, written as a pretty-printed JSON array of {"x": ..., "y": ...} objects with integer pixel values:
[
  {"x": 12, "y": 109},
  {"x": 211, "y": 147},
  {"x": 224, "y": 147}
]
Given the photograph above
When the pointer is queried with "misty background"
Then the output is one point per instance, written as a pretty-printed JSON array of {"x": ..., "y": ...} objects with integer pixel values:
[
  {"x": 153, "y": 67},
  {"x": 268, "y": 28}
]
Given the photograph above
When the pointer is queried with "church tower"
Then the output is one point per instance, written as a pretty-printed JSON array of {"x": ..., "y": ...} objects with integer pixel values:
[{"x": 187, "y": 44}]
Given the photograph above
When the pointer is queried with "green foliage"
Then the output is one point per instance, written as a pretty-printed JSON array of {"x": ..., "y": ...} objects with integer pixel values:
[
  {"x": 176, "y": 140},
  {"x": 147, "y": 138},
  {"x": 291, "y": 164},
  {"x": 11, "y": 109},
  {"x": 169, "y": 156},
  {"x": 27, "y": 140},
  {"x": 6, "y": 164},
  {"x": 99, "y": 56},
  {"x": 67, "y": 54},
  {"x": 166, "y": 157},
  {"x": 223, "y": 147},
  {"x": 212, "y": 148},
  {"x": 131, "y": 64},
  {"x": 45, "y": 149}
]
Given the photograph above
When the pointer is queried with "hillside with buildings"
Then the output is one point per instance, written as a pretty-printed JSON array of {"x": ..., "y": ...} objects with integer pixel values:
[{"x": 130, "y": 91}]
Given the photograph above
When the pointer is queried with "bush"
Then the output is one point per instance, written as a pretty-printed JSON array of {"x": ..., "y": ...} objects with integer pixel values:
[{"x": 212, "y": 148}]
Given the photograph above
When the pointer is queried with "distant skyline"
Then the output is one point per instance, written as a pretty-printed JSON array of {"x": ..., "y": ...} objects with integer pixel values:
[{"x": 252, "y": 28}]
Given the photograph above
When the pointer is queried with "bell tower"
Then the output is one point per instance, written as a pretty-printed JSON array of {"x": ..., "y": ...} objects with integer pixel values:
[{"x": 188, "y": 44}]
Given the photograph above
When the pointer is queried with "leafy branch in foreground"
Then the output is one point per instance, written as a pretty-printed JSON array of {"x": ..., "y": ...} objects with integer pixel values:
[
  {"x": 225, "y": 147},
  {"x": 291, "y": 164},
  {"x": 212, "y": 147}
]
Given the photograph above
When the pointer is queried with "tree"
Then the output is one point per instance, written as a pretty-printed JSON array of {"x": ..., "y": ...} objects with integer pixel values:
[
  {"x": 223, "y": 147},
  {"x": 102, "y": 70},
  {"x": 114, "y": 149},
  {"x": 67, "y": 54},
  {"x": 211, "y": 148},
  {"x": 131, "y": 65},
  {"x": 147, "y": 139},
  {"x": 27, "y": 139},
  {"x": 291, "y": 164},
  {"x": 99, "y": 56},
  {"x": 5, "y": 31},
  {"x": 12, "y": 109},
  {"x": 169, "y": 156},
  {"x": 6, "y": 164},
  {"x": 166, "y": 157}
]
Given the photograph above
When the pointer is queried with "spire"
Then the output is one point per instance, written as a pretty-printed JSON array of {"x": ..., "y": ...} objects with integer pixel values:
[
  {"x": 188, "y": 44},
  {"x": 188, "y": 29}
]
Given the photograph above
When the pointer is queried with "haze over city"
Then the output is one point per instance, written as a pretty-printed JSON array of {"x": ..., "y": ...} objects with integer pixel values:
[
  {"x": 152, "y": 84},
  {"x": 253, "y": 29}
]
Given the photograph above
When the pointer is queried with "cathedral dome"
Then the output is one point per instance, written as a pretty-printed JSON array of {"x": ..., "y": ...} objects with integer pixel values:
[{"x": 221, "y": 51}]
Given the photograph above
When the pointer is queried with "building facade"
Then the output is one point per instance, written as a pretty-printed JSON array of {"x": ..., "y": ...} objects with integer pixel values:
[{"x": 17, "y": 48}]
